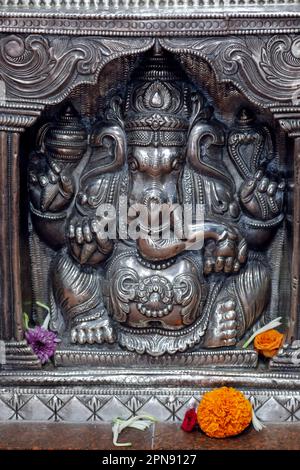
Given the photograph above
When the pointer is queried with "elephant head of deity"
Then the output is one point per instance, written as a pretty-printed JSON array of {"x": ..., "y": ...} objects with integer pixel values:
[
  {"x": 169, "y": 125},
  {"x": 163, "y": 123},
  {"x": 156, "y": 123}
]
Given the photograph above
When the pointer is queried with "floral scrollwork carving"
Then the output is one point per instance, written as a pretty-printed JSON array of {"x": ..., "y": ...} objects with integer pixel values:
[
  {"x": 266, "y": 69},
  {"x": 45, "y": 69}
]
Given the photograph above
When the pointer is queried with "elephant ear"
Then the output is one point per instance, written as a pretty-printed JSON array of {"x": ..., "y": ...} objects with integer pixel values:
[
  {"x": 108, "y": 151},
  {"x": 205, "y": 151}
]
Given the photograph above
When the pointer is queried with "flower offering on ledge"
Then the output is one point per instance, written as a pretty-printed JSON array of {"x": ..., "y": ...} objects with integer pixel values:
[
  {"x": 190, "y": 420},
  {"x": 42, "y": 342},
  {"x": 224, "y": 412},
  {"x": 268, "y": 343}
]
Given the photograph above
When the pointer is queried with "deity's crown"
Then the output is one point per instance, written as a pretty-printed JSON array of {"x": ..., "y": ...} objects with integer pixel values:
[{"x": 158, "y": 102}]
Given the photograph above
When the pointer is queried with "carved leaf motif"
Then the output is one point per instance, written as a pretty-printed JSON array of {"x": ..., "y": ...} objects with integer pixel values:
[
  {"x": 200, "y": 45},
  {"x": 266, "y": 69},
  {"x": 44, "y": 69},
  {"x": 187, "y": 292},
  {"x": 280, "y": 61},
  {"x": 122, "y": 291}
]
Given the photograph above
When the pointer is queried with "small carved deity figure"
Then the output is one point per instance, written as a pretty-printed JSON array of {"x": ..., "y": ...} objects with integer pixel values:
[{"x": 162, "y": 145}]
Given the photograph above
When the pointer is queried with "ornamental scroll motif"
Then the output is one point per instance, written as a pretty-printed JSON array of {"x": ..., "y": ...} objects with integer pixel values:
[
  {"x": 47, "y": 69},
  {"x": 266, "y": 70}
]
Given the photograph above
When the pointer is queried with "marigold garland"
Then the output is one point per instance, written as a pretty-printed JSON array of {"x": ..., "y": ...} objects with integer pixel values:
[{"x": 224, "y": 412}]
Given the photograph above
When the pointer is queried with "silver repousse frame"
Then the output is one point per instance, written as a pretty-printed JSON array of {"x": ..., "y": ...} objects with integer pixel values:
[{"x": 36, "y": 38}]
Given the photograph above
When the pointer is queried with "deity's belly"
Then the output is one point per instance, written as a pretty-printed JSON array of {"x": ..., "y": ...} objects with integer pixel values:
[{"x": 167, "y": 294}]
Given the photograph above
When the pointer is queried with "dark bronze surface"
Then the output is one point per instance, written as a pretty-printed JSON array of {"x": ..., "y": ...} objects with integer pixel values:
[
  {"x": 161, "y": 436},
  {"x": 156, "y": 141},
  {"x": 171, "y": 107}
]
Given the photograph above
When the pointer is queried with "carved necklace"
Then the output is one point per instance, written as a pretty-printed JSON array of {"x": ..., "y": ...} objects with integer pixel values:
[{"x": 155, "y": 264}]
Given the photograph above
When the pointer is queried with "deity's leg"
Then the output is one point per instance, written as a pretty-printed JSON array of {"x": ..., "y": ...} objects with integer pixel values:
[
  {"x": 241, "y": 301},
  {"x": 77, "y": 294}
]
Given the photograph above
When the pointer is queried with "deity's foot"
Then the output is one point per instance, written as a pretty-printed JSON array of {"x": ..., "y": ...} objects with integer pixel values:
[
  {"x": 223, "y": 328},
  {"x": 92, "y": 331}
]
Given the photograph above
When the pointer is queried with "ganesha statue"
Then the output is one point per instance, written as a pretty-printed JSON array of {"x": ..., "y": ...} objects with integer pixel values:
[{"x": 158, "y": 143}]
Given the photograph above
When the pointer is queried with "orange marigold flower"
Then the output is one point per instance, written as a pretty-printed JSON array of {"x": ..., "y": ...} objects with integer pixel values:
[
  {"x": 268, "y": 343},
  {"x": 224, "y": 412}
]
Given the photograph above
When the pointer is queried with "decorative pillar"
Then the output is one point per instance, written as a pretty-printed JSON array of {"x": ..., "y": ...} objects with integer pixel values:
[
  {"x": 13, "y": 121},
  {"x": 289, "y": 355}
]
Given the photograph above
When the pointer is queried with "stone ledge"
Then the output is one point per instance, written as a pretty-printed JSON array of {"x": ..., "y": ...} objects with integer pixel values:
[{"x": 161, "y": 436}]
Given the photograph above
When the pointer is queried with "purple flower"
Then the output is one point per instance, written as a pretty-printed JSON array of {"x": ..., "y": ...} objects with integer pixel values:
[{"x": 42, "y": 342}]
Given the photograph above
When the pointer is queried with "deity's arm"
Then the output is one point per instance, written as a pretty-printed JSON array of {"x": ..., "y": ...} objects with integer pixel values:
[
  {"x": 251, "y": 148},
  {"x": 54, "y": 168},
  {"x": 88, "y": 241},
  {"x": 91, "y": 226},
  {"x": 51, "y": 191},
  {"x": 261, "y": 200}
]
